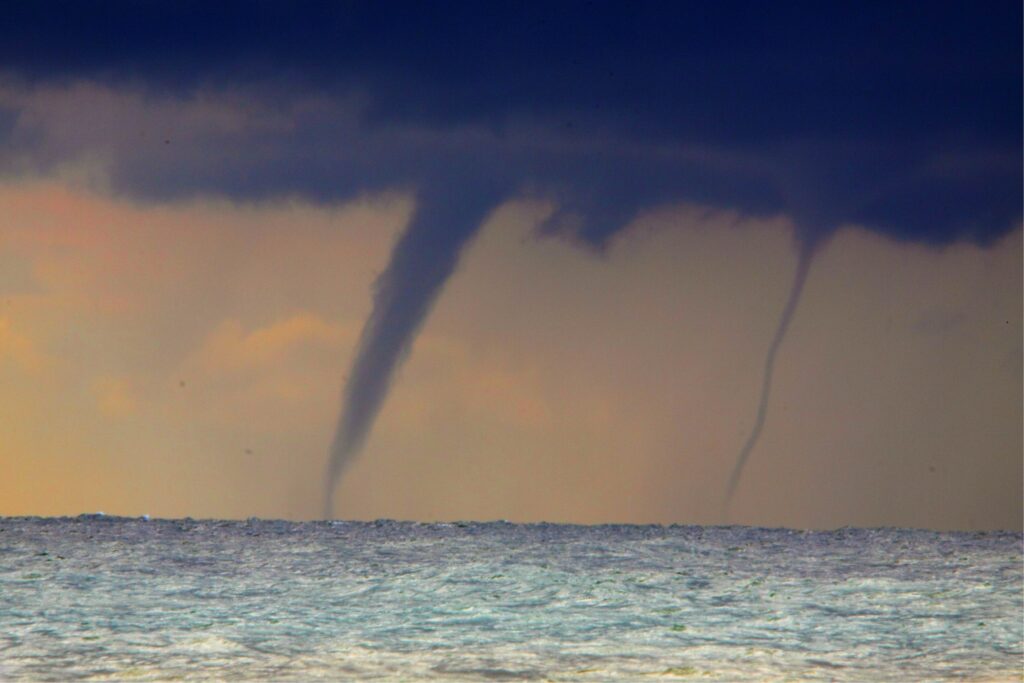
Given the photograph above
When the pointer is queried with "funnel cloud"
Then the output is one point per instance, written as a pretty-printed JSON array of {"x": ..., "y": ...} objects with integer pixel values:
[
  {"x": 425, "y": 256},
  {"x": 803, "y": 267}
]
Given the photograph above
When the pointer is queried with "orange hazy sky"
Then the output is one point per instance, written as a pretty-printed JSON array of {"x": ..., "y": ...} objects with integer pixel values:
[{"x": 187, "y": 359}]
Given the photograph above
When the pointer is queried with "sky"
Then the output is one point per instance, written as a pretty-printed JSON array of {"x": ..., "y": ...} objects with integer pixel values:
[{"x": 598, "y": 262}]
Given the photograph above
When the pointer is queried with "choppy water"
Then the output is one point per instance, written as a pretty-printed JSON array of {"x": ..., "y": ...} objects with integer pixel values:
[{"x": 114, "y": 598}]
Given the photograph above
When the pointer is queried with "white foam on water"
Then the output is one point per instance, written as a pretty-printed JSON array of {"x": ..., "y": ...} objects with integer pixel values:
[{"x": 114, "y": 598}]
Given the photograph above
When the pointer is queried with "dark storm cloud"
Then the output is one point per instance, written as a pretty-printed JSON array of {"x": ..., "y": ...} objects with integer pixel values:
[{"x": 902, "y": 116}]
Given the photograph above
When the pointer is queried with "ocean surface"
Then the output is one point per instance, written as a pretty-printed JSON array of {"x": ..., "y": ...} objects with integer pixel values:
[{"x": 105, "y": 598}]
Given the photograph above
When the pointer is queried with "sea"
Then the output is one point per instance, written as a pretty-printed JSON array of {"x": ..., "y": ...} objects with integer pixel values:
[{"x": 104, "y": 598}]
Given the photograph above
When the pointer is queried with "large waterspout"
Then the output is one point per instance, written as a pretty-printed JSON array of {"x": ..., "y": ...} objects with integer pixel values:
[{"x": 421, "y": 262}]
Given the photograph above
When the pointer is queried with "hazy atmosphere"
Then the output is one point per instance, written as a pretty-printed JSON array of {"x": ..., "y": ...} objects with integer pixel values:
[{"x": 514, "y": 265}]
